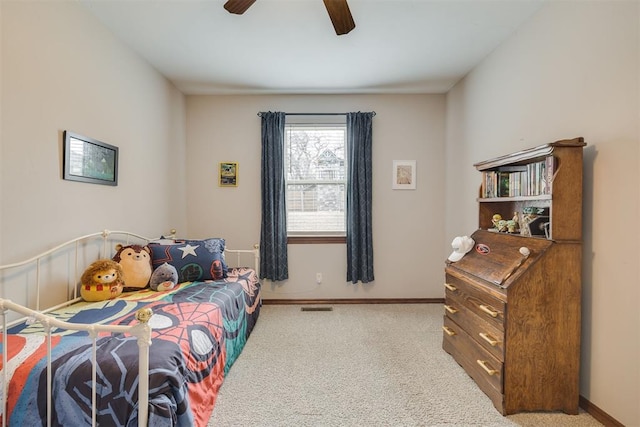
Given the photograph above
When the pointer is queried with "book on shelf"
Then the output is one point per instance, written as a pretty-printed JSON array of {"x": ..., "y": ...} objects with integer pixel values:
[
  {"x": 503, "y": 184},
  {"x": 549, "y": 171}
]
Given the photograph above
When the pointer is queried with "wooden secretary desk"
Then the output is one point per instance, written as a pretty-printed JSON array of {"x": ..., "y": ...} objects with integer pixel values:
[{"x": 512, "y": 303}]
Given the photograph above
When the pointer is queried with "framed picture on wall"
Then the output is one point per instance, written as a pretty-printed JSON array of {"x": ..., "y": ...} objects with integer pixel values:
[
  {"x": 89, "y": 160},
  {"x": 228, "y": 173},
  {"x": 404, "y": 175}
]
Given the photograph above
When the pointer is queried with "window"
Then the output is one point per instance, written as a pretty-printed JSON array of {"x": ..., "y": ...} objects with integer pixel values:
[{"x": 315, "y": 173}]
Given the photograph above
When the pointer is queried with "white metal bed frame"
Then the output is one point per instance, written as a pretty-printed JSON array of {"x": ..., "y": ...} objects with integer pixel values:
[{"x": 141, "y": 330}]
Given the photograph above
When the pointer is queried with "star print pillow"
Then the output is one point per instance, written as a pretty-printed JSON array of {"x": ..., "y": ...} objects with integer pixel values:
[{"x": 195, "y": 260}]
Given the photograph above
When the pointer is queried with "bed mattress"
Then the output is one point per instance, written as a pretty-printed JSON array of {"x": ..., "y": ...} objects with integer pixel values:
[{"x": 199, "y": 330}]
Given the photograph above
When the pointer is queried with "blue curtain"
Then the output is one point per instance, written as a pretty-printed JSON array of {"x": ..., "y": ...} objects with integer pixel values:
[
  {"x": 359, "y": 190},
  {"x": 273, "y": 233}
]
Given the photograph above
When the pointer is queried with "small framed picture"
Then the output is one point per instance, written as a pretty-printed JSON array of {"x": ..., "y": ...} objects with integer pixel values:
[
  {"x": 404, "y": 175},
  {"x": 228, "y": 174}
]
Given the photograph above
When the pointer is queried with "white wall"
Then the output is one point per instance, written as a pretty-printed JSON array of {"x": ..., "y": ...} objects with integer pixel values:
[
  {"x": 573, "y": 70},
  {"x": 407, "y": 224},
  {"x": 62, "y": 70}
]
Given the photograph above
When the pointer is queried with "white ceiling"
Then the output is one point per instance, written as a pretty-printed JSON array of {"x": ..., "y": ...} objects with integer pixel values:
[{"x": 289, "y": 46}]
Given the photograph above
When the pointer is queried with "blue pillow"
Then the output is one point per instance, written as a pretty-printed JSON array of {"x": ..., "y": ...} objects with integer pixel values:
[{"x": 193, "y": 259}]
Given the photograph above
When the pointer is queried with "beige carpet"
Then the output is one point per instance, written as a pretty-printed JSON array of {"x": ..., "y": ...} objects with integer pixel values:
[{"x": 358, "y": 365}]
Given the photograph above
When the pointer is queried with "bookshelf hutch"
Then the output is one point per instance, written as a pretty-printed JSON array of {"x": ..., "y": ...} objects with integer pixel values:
[{"x": 512, "y": 303}]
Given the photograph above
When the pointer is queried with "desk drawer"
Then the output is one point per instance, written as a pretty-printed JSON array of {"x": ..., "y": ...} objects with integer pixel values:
[
  {"x": 485, "y": 369},
  {"x": 485, "y": 333},
  {"x": 485, "y": 306}
]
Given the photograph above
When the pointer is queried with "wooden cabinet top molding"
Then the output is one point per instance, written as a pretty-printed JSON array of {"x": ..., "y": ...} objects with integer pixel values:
[{"x": 528, "y": 154}]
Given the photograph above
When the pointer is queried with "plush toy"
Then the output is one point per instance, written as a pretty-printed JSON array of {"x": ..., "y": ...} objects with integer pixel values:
[
  {"x": 102, "y": 280},
  {"x": 164, "y": 277},
  {"x": 136, "y": 265}
]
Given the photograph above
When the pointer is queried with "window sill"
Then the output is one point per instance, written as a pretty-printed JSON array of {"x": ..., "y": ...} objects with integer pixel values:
[{"x": 294, "y": 240}]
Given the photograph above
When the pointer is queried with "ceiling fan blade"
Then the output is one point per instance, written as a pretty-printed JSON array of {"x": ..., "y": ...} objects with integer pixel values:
[
  {"x": 340, "y": 16},
  {"x": 238, "y": 6}
]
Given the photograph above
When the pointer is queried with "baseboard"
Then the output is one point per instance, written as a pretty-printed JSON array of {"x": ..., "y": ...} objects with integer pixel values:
[
  {"x": 354, "y": 301},
  {"x": 598, "y": 413}
]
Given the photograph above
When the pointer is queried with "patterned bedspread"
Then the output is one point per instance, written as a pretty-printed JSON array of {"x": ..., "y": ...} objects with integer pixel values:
[{"x": 199, "y": 329}]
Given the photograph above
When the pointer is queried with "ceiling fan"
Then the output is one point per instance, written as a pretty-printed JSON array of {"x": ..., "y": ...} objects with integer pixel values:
[{"x": 338, "y": 12}]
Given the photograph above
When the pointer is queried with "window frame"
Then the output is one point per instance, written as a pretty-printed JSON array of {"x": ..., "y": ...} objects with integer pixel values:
[{"x": 315, "y": 237}]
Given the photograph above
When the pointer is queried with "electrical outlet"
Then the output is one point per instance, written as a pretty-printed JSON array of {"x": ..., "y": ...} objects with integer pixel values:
[{"x": 318, "y": 278}]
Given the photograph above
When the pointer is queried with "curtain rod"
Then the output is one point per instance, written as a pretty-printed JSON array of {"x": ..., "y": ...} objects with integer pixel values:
[{"x": 315, "y": 114}]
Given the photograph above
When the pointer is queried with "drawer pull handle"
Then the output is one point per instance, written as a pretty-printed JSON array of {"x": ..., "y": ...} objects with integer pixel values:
[
  {"x": 489, "y": 310},
  {"x": 450, "y": 309},
  {"x": 450, "y": 287},
  {"x": 488, "y": 338},
  {"x": 448, "y": 331},
  {"x": 484, "y": 366}
]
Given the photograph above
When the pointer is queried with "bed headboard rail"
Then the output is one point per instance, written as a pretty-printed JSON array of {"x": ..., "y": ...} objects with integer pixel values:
[
  {"x": 241, "y": 254},
  {"x": 64, "y": 262}
]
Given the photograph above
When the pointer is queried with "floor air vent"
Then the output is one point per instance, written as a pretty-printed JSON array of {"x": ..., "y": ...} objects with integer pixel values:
[{"x": 316, "y": 308}]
